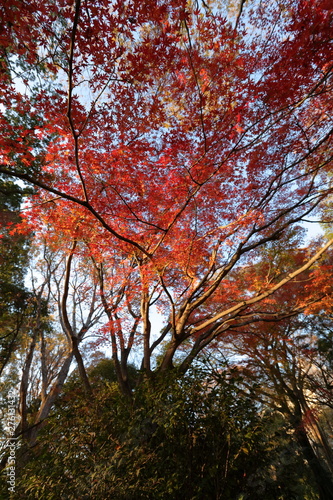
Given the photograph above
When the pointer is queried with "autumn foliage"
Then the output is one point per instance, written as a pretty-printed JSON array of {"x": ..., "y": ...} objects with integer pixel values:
[
  {"x": 175, "y": 147},
  {"x": 165, "y": 155}
]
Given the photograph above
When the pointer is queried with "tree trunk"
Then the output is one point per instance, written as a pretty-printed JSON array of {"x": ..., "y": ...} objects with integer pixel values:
[
  {"x": 80, "y": 364},
  {"x": 321, "y": 474},
  {"x": 46, "y": 405}
]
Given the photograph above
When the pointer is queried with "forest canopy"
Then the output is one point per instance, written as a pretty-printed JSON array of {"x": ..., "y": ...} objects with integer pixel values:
[{"x": 160, "y": 161}]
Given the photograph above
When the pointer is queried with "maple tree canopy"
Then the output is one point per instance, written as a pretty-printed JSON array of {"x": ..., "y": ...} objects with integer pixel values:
[{"x": 175, "y": 147}]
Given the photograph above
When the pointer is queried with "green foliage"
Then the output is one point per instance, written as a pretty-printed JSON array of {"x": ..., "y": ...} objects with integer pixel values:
[
  {"x": 105, "y": 370},
  {"x": 13, "y": 248},
  {"x": 14, "y": 298},
  {"x": 189, "y": 438}
]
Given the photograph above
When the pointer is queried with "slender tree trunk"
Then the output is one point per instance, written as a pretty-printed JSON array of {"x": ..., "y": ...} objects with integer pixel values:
[
  {"x": 46, "y": 405},
  {"x": 146, "y": 331},
  {"x": 43, "y": 366},
  {"x": 24, "y": 385},
  {"x": 81, "y": 367}
]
